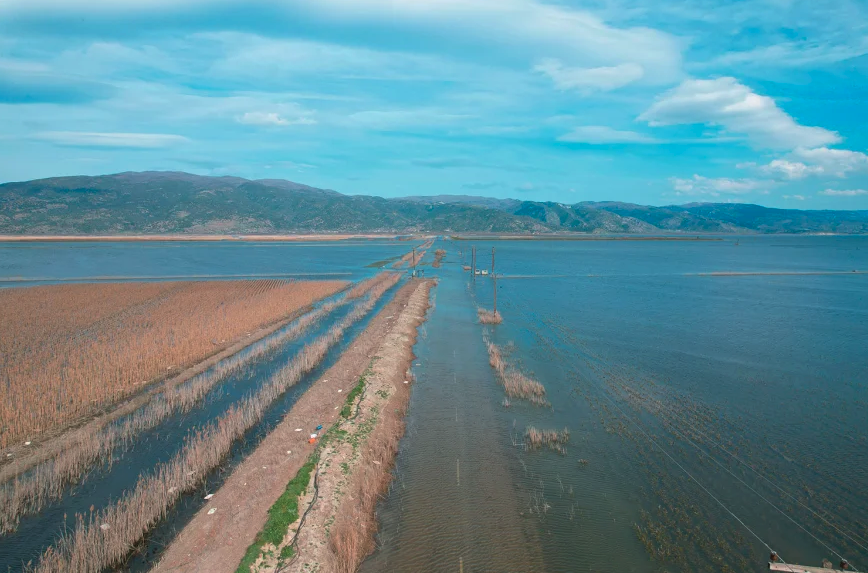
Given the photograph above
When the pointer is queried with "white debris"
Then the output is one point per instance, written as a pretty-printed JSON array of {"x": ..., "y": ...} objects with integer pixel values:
[
  {"x": 105, "y": 526},
  {"x": 406, "y": 381},
  {"x": 313, "y": 436},
  {"x": 172, "y": 489},
  {"x": 26, "y": 443},
  {"x": 209, "y": 496},
  {"x": 288, "y": 451},
  {"x": 298, "y": 429},
  {"x": 212, "y": 511},
  {"x": 340, "y": 390},
  {"x": 8, "y": 455}
]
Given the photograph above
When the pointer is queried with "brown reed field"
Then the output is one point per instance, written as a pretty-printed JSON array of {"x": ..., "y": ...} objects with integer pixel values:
[
  {"x": 30, "y": 489},
  {"x": 104, "y": 537},
  {"x": 68, "y": 350},
  {"x": 515, "y": 383}
]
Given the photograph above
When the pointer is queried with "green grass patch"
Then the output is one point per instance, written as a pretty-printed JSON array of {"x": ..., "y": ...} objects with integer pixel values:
[
  {"x": 282, "y": 514},
  {"x": 351, "y": 397}
]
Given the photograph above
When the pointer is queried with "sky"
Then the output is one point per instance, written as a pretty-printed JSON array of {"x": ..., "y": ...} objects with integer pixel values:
[{"x": 759, "y": 101}]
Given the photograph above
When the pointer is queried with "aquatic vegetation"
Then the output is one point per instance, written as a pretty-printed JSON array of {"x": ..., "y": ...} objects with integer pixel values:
[
  {"x": 486, "y": 316},
  {"x": 79, "y": 347},
  {"x": 552, "y": 439},
  {"x": 438, "y": 258},
  {"x": 102, "y": 538},
  {"x": 515, "y": 383}
]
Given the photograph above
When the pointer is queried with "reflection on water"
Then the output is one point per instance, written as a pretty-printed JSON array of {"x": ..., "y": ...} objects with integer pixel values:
[{"x": 693, "y": 402}]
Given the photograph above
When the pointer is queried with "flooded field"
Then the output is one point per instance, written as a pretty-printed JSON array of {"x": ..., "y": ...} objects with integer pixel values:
[
  {"x": 710, "y": 418},
  {"x": 36, "y": 263},
  {"x": 642, "y": 406}
]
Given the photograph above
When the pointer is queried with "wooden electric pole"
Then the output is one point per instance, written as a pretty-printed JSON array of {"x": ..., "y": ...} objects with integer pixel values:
[
  {"x": 473, "y": 267},
  {"x": 494, "y": 280}
]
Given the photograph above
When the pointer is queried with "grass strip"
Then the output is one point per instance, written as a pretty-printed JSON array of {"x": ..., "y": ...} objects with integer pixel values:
[{"x": 284, "y": 512}]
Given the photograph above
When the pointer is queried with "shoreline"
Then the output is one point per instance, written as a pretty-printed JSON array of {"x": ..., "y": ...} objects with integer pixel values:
[{"x": 191, "y": 238}]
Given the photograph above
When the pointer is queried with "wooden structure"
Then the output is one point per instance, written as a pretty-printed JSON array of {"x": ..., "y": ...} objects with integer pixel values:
[{"x": 790, "y": 568}]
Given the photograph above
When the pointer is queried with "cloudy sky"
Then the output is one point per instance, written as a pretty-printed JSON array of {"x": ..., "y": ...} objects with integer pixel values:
[{"x": 760, "y": 101}]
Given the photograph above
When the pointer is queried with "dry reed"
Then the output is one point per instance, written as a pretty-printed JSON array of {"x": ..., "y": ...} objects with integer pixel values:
[
  {"x": 515, "y": 383},
  {"x": 68, "y": 350},
  {"x": 552, "y": 439},
  {"x": 438, "y": 258},
  {"x": 486, "y": 316},
  {"x": 103, "y": 538},
  {"x": 28, "y": 493}
]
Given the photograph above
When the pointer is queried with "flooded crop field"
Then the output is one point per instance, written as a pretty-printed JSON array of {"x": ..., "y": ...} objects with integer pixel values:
[{"x": 640, "y": 406}]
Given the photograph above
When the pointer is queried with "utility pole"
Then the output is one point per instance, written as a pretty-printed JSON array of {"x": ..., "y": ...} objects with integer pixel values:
[
  {"x": 494, "y": 280},
  {"x": 414, "y": 261},
  {"x": 473, "y": 268}
]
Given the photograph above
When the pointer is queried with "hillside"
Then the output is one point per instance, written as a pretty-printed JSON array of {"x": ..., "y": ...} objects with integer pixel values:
[{"x": 172, "y": 202}]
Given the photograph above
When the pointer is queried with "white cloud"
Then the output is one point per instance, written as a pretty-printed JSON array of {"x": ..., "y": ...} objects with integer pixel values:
[
  {"x": 727, "y": 104},
  {"x": 844, "y": 192},
  {"x": 519, "y": 29},
  {"x": 397, "y": 119},
  {"x": 790, "y": 169},
  {"x": 837, "y": 162},
  {"x": 272, "y": 119},
  {"x": 699, "y": 185},
  {"x": 123, "y": 140},
  {"x": 601, "y": 134},
  {"x": 794, "y": 197},
  {"x": 587, "y": 80}
]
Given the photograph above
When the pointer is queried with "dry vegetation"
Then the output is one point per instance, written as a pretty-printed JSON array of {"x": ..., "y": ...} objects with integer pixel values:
[
  {"x": 438, "y": 258},
  {"x": 408, "y": 258},
  {"x": 29, "y": 492},
  {"x": 488, "y": 316},
  {"x": 515, "y": 383},
  {"x": 104, "y": 537},
  {"x": 553, "y": 439},
  {"x": 66, "y": 350}
]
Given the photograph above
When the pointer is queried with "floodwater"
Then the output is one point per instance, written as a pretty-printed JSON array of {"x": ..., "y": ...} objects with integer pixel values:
[
  {"x": 711, "y": 418},
  {"x": 36, "y": 263}
]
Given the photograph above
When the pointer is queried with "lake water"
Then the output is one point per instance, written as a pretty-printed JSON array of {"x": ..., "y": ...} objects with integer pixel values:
[
  {"x": 692, "y": 402},
  {"x": 709, "y": 415}
]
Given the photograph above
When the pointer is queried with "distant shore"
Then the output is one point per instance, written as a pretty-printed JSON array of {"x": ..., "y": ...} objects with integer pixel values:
[
  {"x": 581, "y": 238},
  {"x": 177, "y": 237}
]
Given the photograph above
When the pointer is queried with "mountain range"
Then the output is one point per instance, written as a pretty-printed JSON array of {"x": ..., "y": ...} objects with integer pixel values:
[{"x": 175, "y": 202}]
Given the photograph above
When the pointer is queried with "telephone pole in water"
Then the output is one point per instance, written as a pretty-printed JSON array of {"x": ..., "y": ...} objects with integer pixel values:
[
  {"x": 494, "y": 280},
  {"x": 473, "y": 267}
]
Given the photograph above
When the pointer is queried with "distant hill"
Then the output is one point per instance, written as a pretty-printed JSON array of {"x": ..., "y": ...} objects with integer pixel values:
[{"x": 174, "y": 202}]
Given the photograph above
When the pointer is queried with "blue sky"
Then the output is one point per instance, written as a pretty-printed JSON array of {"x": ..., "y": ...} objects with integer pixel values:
[{"x": 760, "y": 101}]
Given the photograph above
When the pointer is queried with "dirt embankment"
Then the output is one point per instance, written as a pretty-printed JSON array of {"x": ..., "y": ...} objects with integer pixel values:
[
  {"x": 355, "y": 465},
  {"x": 220, "y": 533}
]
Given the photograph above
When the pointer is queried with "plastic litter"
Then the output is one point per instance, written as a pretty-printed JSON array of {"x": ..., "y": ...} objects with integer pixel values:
[
  {"x": 311, "y": 441},
  {"x": 319, "y": 427},
  {"x": 313, "y": 436},
  {"x": 209, "y": 496},
  {"x": 298, "y": 429},
  {"x": 105, "y": 526},
  {"x": 212, "y": 511},
  {"x": 340, "y": 390},
  {"x": 26, "y": 443}
]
